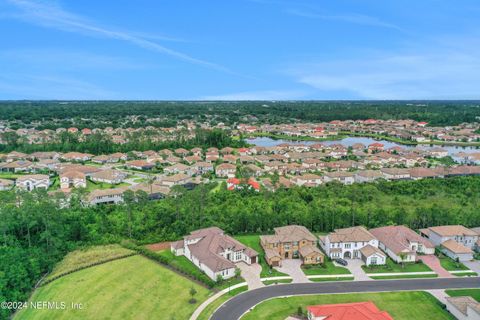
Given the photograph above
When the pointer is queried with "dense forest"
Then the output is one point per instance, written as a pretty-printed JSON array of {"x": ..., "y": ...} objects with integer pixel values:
[
  {"x": 54, "y": 114},
  {"x": 100, "y": 143},
  {"x": 36, "y": 231}
]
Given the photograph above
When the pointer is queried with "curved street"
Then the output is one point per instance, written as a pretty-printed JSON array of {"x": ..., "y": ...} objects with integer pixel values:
[{"x": 238, "y": 305}]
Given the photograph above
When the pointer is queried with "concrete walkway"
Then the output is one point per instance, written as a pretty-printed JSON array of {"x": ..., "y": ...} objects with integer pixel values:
[
  {"x": 355, "y": 267},
  {"x": 473, "y": 265},
  {"x": 292, "y": 267},
  {"x": 440, "y": 294},
  {"x": 251, "y": 274},
  {"x": 433, "y": 263}
]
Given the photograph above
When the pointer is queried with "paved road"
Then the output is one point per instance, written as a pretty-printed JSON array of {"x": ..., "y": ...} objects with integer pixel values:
[{"x": 237, "y": 306}]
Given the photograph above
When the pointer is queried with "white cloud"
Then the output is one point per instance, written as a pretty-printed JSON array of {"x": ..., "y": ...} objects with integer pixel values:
[
  {"x": 436, "y": 72},
  {"x": 259, "y": 95},
  {"x": 51, "y": 15},
  {"x": 354, "y": 18}
]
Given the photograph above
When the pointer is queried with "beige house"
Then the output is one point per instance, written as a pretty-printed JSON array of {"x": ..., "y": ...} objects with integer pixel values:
[
  {"x": 73, "y": 179},
  {"x": 227, "y": 170},
  {"x": 33, "y": 181},
  {"x": 291, "y": 242},
  {"x": 109, "y": 176}
]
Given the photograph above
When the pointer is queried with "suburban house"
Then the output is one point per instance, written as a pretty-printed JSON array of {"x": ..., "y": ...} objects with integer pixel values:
[
  {"x": 395, "y": 173},
  {"x": 109, "y": 176},
  {"x": 353, "y": 243},
  {"x": 227, "y": 170},
  {"x": 308, "y": 179},
  {"x": 75, "y": 179},
  {"x": 347, "y": 311},
  {"x": 368, "y": 175},
  {"x": 476, "y": 247},
  {"x": 401, "y": 243},
  {"x": 17, "y": 166},
  {"x": 455, "y": 241},
  {"x": 139, "y": 165},
  {"x": 106, "y": 196},
  {"x": 340, "y": 176},
  {"x": 214, "y": 252},
  {"x": 463, "y": 307},
  {"x": 175, "y": 180},
  {"x": 291, "y": 242},
  {"x": 202, "y": 168},
  {"x": 6, "y": 184},
  {"x": 33, "y": 181}
]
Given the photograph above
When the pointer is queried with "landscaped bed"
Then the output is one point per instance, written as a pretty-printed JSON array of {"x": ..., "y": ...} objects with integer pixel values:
[
  {"x": 331, "y": 279},
  {"x": 451, "y": 265},
  {"x": 392, "y": 267},
  {"x": 405, "y": 276},
  {"x": 401, "y": 305},
  {"x": 253, "y": 241}
]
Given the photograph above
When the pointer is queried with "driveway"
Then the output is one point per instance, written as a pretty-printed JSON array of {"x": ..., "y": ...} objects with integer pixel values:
[
  {"x": 473, "y": 265},
  {"x": 355, "y": 267},
  {"x": 251, "y": 274},
  {"x": 433, "y": 263},
  {"x": 292, "y": 267}
]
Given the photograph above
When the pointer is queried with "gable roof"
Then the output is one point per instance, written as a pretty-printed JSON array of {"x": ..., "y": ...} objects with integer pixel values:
[
  {"x": 455, "y": 247},
  {"x": 452, "y": 230}
]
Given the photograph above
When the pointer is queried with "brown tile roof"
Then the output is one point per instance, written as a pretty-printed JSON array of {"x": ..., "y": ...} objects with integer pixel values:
[
  {"x": 307, "y": 250},
  {"x": 452, "y": 230},
  {"x": 455, "y": 247},
  {"x": 353, "y": 234},
  {"x": 462, "y": 304},
  {"x": 294, "y": 233},
  {"x": 397, "y": 238},
  {"x": 369, "y": 250}
]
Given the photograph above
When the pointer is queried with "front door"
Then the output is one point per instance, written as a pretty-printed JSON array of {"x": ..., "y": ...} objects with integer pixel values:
[
  {"x": 228, "y": 256},
  {"x": 286, "y": 255}
]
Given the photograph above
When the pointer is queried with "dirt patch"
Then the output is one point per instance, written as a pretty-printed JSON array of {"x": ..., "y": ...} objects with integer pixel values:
[{"x": 158, "y": 246}]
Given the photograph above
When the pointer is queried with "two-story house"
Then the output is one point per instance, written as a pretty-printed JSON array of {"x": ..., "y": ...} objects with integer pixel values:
[
  {"x": 214, "y": 252},
  {"x": 401, "y": 243},
  {"x": 353, "y": 243},
  {"x": 455, "y": 241},
  {"x": 291, "y": 242}
]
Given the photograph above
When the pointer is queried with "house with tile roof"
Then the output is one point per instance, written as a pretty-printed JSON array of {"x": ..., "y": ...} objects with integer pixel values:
[
  {"x": 401, "y": 243},
  {"x": 353, "y": 243},
  {"x": 463, "y": 307},
  {"x": 291, "y": 242},
  {"x": 347, "y": 311},
  {"x": 214, "y": 252},
  {"x": 455, "y": 241}
]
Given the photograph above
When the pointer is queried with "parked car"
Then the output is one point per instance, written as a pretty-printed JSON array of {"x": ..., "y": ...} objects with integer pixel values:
[{"x": 341, "y": 262}]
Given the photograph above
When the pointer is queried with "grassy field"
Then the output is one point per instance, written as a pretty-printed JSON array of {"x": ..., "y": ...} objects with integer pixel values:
[
  {"x": 331, "y": 279},
  {"x": 130, "y": 288},
  {"x": 474, "y": 293},
  {"x": 253, "y": 241},
  {"x": 327, "y": 268},
  {"x": 400, "y": 305},
  {"x": 84, "y": 257},
  {"x": 450, "y": 264},
  {"x": 406, "y": 276},
  {"x": 101, "y": 185},
  {"x": 391, "y": 266},
  {"x": 207, "y": 312}
]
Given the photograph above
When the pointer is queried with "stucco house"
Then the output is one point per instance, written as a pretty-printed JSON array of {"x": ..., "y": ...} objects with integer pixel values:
[
  {"x": 75, "y": 179},
  {"x": 455, "y": 241},
  {"x": 348, "y": 243},
  {"x": 214, "y": 252},
  {"x": 33, "y": 181},
  {"x": 291, "y": 242},
  {"x": 401, "y": 243}
]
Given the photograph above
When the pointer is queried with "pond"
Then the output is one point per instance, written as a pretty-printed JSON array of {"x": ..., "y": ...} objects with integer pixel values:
[{"x": 269, "y": 142}]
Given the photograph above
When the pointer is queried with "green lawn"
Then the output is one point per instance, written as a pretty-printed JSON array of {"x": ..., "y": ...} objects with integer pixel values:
[
  {"x": 400, "y": 305},
  {"x": 85, "y": 257},
  {"x": 10, "y": 175},
  {"x": 450, "y": 264},
  {"x": 327, "y": 268},
  {"x": 465, "y": 274},
  {"x": 391, "y": 266},
  {"x": 253, "y": 241},
  {"x": 101, "y": 185},
  {"x": 474, "y": 293},
  {"x": 207, "y": 312},
  {"x": 130, "y": 288},
  {"x": 406, "y": 276},
  {"x": 331, "y": 279}
]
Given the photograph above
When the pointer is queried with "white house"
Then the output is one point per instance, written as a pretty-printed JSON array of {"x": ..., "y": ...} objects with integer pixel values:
[
  {"x": 340, "y": 176},
  {"x": 348, "y": 244},
  {"x": 401, "y": 243},
  {"x": 455, "y": 241},
  {"x": 213, "y": 252},
  {"x": 106, "y": 196},
  {"x": 33, "y": 181}
]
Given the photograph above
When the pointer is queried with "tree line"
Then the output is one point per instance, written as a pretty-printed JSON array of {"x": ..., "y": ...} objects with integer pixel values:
[{"x": 37, "y": 230}]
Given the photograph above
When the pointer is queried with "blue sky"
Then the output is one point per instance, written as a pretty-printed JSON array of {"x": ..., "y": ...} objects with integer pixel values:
[{"x": 239, "y": 49}]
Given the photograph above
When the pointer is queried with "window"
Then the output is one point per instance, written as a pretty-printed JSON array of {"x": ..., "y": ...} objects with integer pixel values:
[
  {"x": 295, "y": 243},
  {"x": 347, "y": 245},
  {"x": 373, "y": 260}
]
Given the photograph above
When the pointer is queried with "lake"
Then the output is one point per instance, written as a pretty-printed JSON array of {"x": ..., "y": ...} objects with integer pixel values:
[{"x": 269, "y": 142}]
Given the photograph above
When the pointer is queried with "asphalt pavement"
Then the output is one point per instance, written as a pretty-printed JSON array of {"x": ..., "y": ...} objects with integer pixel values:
[{"x": 238, "y": 305}]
